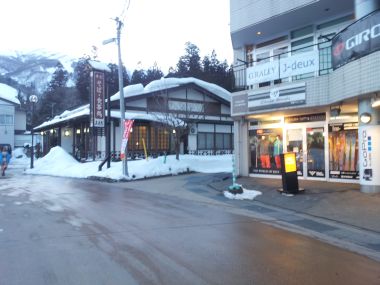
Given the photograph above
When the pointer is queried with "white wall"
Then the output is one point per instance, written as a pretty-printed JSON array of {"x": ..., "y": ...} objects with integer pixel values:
[
  {"x": 7, "y": 131},
  {"x": 20, "y": 121},
  {"x": 192, "y": 142}
]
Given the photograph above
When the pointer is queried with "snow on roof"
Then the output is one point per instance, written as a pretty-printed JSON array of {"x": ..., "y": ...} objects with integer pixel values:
[
  {"x": 9, "y": 93},
  {"x": 66, "y": 115},
  {"x": 130, "y": 90},
  {"x": 99, "y": 65},
  {"x": 85, "y": 111},
  {"x": 167, "y": 83}
]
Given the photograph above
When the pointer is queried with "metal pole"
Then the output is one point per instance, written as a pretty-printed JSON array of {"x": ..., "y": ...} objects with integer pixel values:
[
  {"x": 121, "y": 92},
  {"x": 108, "y": 127},
  {"x": 32, "y": 150}
]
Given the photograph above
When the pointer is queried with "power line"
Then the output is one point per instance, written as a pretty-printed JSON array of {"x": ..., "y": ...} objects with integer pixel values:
[{"x": 127, "y": 3}]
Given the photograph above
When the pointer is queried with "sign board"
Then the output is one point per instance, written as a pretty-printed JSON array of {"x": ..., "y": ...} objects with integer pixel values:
[
  {"x": 124, "y": 142},
  {"x": 290, "y": 162},
  {"x": 239, "y": 104},
  {"x": 289, "y": 173},
  {"x": 306, "y": 118},
  {"x": 297, "y": 64},
  {"x": 357, "y": 40},
  {"x": 289, "y": 95},
  {"x": 98, "y": 102},
  {"x": 369, "y": 165}
]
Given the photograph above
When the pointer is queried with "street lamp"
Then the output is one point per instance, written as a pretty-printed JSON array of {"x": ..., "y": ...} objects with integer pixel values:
[
  {"x": 33, "y": 99},
  {"x": 119, "y": 25}
]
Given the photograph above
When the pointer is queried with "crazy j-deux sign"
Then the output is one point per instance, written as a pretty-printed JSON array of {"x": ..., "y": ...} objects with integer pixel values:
[{"x": 298, "y": 64}]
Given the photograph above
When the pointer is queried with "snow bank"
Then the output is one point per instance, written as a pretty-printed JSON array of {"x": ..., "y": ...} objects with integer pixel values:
[
  {"x": 246, "y": 195},
  {"x": 59, "y": 163}
]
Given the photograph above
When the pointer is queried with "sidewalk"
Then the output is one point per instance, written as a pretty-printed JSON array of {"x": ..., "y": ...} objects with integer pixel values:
[
  {"x": 341, "y": 202},
  {"x": 336, "y": 211}
]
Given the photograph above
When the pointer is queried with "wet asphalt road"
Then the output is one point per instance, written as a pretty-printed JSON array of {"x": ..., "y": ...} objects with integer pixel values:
[{"x": 71, "y": 231}]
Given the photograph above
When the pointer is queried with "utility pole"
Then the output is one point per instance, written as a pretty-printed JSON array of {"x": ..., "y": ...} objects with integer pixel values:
[{"x": 119, "y": 26}]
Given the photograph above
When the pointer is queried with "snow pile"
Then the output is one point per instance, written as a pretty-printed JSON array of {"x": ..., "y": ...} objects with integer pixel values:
[
  {"x": 59, "y": 163},
  {"x": 19, "y": 159},
  {"x": 246, "y": 195}
]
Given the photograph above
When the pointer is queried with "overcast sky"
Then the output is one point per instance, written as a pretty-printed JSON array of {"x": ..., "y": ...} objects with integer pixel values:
[{"x": 154, "y": 30}]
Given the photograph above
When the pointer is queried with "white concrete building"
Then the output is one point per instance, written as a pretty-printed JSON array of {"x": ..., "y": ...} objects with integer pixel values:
[
  {"x": 12, "y": 118},
  {"x": 307, "y": 78}
]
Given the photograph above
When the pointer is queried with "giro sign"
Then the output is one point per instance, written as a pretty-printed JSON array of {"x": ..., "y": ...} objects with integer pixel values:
[{"x": 357, "y": 40}]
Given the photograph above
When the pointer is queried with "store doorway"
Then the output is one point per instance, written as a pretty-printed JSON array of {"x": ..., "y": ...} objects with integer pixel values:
[{"x": 309, "y": 145}]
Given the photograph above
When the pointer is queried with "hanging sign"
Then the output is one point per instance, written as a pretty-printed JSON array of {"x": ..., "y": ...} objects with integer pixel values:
[
  {"x": 124, "y": 142},
  {"x": 297, "y": 64},
  {"x": 357, "y": 40},
  {"x": 97, "y": 102}
]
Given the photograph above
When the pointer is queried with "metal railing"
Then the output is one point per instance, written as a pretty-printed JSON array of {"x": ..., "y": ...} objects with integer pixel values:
[{"x": 240, "y": 70}]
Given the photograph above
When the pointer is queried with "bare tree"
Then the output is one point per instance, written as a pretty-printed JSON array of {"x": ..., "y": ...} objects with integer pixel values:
[{"x": 176, "y": 116}]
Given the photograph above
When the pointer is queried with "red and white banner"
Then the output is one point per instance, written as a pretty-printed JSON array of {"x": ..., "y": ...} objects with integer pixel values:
[{"x": 124, "y": 141}]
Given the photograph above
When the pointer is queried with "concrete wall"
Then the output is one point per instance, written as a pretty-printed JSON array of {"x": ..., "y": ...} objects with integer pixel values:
[
  {"x": 249, "y": 12},
  {"x": 20, "y": 121}
]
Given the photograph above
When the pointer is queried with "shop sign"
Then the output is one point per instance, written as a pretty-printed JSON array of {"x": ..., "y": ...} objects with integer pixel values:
[
  {"x": 316, "y": 173},
  {"x": 290, "y": 162},
  {"x": 265, "y": 171},
  {"x": 343, "y": 127},
  {"x": 298, "y": 64},
  {"x": 97, "y": 102},
  {"x": 262, "y": 72},
  {"x": 239, "y": 104},
  {"x": 290, "y": 95},
  {"x": 369, "y": 162},
  {"x": 306, "y": 118},
  {"x": 357, "y": 40},
  {"x": 344, "y": 174}
]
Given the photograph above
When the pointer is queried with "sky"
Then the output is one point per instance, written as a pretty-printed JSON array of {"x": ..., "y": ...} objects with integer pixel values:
[{"x": 154, "y": 30}]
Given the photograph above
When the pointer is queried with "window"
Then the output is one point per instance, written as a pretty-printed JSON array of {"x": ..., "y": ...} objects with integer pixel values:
[
  {"x": 343, "y": 151},
  {"x": 335, "y": 22},
  {"x": 265, "y": 145},
  {"x": 301, "y": 46},
  {"x": 159, "y": 139},
  {"x": 205, "y": 141},
  {"x": 6, "y": 119},
  {"x": 325, "y": 64},
  {"x": 135, "y": 138},
  {"x": 301, "y": 32}
]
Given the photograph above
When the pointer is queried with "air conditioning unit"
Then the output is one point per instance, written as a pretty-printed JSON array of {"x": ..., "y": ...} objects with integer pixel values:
[{"x": 193, "y": 130}]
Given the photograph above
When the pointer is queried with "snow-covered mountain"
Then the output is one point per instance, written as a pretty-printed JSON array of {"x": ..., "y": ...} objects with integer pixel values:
[{"x": 33, "y": 68}]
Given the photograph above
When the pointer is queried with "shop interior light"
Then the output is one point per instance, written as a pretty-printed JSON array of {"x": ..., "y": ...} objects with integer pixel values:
[
  {"x": 365, "y": 118},
  {"x": 375, "y": 102}
]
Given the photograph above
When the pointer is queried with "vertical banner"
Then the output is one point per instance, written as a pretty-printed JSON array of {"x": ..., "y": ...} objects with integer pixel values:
[
  {"x": 369, "y": 152},
  {"x": 124, "y": 141},
  {"x": 98, "y": 94}
]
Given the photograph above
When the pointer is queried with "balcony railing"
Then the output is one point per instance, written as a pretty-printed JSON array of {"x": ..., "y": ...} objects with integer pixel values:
[{"x": 240, "y": 70}]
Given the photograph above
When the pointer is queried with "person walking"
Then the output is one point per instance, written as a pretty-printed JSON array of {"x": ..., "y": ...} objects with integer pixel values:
[{"x": 4, "y": 159}]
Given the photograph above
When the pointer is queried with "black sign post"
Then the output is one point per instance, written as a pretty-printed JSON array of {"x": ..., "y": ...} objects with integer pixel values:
[{"x": 289, "y": 174}]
